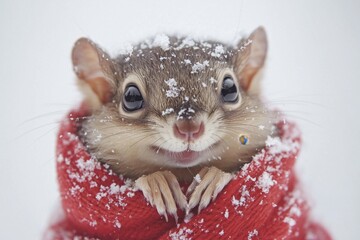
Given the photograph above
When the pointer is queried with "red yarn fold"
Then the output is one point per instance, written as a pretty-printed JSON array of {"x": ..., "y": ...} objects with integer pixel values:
[{"x": 263, "y": 201}]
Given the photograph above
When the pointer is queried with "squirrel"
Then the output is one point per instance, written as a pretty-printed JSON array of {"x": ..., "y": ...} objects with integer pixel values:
[{"x": 175, "y": 110}]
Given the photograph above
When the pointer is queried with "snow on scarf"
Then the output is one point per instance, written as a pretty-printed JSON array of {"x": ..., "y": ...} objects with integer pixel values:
[{"x": 263, "y": 201}]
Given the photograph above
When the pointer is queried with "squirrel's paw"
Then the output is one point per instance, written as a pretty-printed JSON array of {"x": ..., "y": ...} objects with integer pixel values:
[
  {"x": 162, "y": 190},
  {"x": 206, "y": 186}
]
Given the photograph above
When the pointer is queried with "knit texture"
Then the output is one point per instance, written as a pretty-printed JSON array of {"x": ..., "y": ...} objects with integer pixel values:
[{"x": 263, "y": 201}]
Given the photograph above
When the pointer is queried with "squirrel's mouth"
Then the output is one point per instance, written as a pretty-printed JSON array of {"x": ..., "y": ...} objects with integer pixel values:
[{"x": 186, "y": 158}]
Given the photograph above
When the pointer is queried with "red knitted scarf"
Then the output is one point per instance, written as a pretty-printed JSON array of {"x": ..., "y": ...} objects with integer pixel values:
[{"x": 263, "y": 201}]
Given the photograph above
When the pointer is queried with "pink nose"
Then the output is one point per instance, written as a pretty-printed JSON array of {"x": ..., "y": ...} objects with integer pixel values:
[{"x": 188, "y": 130}]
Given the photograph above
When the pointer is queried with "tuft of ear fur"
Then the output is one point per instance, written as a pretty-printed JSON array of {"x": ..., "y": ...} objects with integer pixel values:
[
  {"x": 93, "y": 68},
  {"x": 250, "y": 57}
]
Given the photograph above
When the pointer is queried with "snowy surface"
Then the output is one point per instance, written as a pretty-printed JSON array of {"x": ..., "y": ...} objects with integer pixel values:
[{"x": 312, "y": 72}]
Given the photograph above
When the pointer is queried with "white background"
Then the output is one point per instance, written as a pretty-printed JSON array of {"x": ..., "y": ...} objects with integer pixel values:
[{"x": 313, "y": 74}]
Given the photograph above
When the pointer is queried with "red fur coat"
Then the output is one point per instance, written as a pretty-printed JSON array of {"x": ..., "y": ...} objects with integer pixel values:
[{"x": 263, "y": 201}]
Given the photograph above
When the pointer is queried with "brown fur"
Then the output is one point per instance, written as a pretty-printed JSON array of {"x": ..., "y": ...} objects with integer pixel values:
[{"x": 122, "y": 140}]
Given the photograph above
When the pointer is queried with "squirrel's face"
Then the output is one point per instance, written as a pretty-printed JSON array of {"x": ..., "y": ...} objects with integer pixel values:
[
  {"x": 180, "y": 101},
  {"x": 177, "y": 103}
]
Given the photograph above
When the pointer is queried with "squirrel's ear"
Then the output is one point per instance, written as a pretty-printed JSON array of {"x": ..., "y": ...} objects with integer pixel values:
[
  {"x": 250, "y": 57},
  {"x": 93, "y": 68}
]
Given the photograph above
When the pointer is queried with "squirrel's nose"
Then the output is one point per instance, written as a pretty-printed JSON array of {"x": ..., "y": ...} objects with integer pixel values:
[{"x": 188, "y": 130}]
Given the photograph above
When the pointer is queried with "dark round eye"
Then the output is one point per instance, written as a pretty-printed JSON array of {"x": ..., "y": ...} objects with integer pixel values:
[
  {"x": 133, "y": 99},
  {"x": 229, "y": 92}
]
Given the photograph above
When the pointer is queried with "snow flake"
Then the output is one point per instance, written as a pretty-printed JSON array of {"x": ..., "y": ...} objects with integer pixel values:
[
  {"x": 185, "y": 112},
  {"x": 173, "y": 91},
  {"x": 127, "y": 49},
  {"x": 117, "y": 224},
  {"x": 60, "y": 158},
  {"x": 93, "y": 184},
  {"x": 277, "y": 146},
  {"x": 114, "y": 188},
  {"x": 206, "y": 44},
  {"x": 271, "y": 169},
  {"x": 130, "y": 194},
  {"x": 93, "y": 223},
  {"x": 265, "y": 181},
  {"x": 244, "y": 46},
  {"x": 198, "y": 67},
  {"x": 295, "y": 211},
  {"x": 187, "y": 61},
  {"x": 74, "y": 190},
  {"x": 167, "y": 111},
  {"x": 226, "y": 213},
  {"x": 190, "y": 110},
  {"x": 186, "y": 42},
  {"x": 182, "y": 234},
  {"x": 197, "y": 178},
  {"x": 219, "y": 50},
  {"x": 289, "y": 221},
  {"x": 244, "y": 198},
  {"x": 249, "y": 178},
  {"x": 100, "y": 195},
  {"x": 162, "y": 41},
  {"x": 252, "y": 234},
  {"x": 212, "y": 80}
]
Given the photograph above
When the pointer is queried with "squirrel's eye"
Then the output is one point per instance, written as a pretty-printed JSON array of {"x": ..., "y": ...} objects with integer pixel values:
[
  {"x": 229, "y": 92},
  {"x": 133, "y": 99}
]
